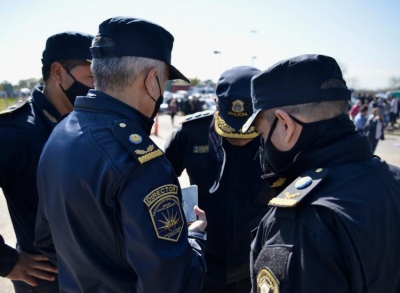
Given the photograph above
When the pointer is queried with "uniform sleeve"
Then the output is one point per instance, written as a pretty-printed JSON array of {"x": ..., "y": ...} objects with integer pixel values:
[
  {"x": 8, "y": 258},
  {"x": 43, "y": 240},
  {"x": 14, "y": 154},
  {"x": 155, "y": 233},
  {"x": 312, "y": 253},
  {"x": 12, "y": 160},
  {"x": 174, "y": 151}
]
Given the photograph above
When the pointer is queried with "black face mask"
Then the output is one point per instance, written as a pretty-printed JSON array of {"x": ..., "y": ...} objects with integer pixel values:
[
  {"x": 274, "y": 160},
  {"x": 76, "y": 89},
  {"x": 158, "y": 102}
]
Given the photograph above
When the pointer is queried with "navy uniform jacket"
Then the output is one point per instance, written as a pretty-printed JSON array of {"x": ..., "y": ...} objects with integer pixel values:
[
  {"x": 342, "y": 235},
  {"x": 112, "y": 204},
  {"x": 235, "y": 208},
  {"x": 24, "y": 129}
]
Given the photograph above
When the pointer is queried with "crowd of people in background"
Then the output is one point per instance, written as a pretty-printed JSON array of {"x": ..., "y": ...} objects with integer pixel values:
[{"x": 373, "y": 114}]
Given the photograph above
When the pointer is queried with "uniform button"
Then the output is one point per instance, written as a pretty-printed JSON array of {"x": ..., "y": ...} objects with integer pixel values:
[{"x": 122, "y": 125}]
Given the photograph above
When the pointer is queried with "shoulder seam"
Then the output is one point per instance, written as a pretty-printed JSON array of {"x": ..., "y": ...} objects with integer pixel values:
[{"x": 197, "y": 116}]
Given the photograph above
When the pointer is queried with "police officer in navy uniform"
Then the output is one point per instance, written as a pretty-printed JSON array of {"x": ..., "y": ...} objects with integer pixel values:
[
  {"x": 220, "y": 160},
  {"x": 24, "y": 129},
  {"x": 334, "y": 226},
  {"x": 110, "y": 202}
]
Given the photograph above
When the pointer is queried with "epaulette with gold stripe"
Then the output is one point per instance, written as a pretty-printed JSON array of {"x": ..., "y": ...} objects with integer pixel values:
[
  {"x": 139, "y": 145},
  {"x": 198, "y": 115},
  {"x": 299, "y": 188}
]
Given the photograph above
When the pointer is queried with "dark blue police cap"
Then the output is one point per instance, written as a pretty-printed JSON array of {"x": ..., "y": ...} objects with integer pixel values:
[
  {"x": 234, "y": 102},
  {"x": 137, "y": 37},
  {"x": 67, "y": 45},
  {"x": 296, "y": 81}
]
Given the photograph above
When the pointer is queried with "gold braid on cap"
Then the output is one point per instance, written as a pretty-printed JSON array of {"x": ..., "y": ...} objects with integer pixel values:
[
  {"x": 225, "y": 130},
  {"x": 223, "y": 125}
]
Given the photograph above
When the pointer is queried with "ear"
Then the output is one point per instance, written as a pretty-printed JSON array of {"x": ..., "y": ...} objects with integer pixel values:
[
  {"x": 291, "y": 127},
  {"x": 57, "y": 72},
  {"x": 150, "y": 81}
]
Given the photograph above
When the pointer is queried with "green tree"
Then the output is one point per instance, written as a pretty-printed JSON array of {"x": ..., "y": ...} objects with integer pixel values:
[
  {"x": 195, "y": 81},
  {"x": 28, "y": 83},
  {"x": 8, "y": 88}
]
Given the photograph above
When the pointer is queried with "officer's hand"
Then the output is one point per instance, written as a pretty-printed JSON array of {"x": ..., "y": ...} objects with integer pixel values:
[
  {"x": 201, "y": 223},
  {"x": 31, "y": 267}
]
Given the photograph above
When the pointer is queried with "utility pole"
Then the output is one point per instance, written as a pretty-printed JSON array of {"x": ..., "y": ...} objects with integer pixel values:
[
  {"x": 219, "y": 61},
  {"x": 253, "y": 32}
]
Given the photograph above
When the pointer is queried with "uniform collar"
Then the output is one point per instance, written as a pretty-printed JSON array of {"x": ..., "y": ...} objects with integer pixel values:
[
  {"x": 349, "y": 149},
  {"x": 99, "y": 101},
  {"x": 46, "y": 109}
]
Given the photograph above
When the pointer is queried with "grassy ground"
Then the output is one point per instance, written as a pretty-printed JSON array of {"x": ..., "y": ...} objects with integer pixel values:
[{"x": 4, "y": 103}]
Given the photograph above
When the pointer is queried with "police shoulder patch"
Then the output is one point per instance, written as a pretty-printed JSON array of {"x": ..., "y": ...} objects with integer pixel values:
[
  {"x": 14, "y": 107},
  {"x": 198, "y": 115},
  {"x": 299, "y": 188},
  {"x": 165, "y": 212},
  {"x": 139, "y": 145}
]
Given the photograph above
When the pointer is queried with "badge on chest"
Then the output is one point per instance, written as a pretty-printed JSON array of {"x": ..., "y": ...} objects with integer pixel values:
[{"x": 200, "y": 149}]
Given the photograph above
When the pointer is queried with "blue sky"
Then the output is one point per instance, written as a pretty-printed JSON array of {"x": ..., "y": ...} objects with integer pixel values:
[{"x": 362, "y": 35}]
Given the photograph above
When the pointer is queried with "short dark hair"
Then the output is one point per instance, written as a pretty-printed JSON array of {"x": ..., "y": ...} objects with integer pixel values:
[{"x": 68, "y": 64}]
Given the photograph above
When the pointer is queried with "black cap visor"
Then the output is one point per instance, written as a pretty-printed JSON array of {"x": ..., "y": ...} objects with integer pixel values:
[{"x": 176, "y": 74}]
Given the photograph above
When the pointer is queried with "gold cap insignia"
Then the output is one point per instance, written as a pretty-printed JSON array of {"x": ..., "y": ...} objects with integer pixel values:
[
  {"x": 267, "y": 282},
  {"x": 237, "y": 106},
  {"x": 237, "y": 109}
]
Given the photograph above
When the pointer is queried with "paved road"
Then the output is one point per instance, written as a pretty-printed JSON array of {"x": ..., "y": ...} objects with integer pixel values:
[{"x": 388, "y": 149}]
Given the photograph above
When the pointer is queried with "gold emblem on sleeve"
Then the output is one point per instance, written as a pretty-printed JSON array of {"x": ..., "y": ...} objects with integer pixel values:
[{"x": 267, "y": 282}]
